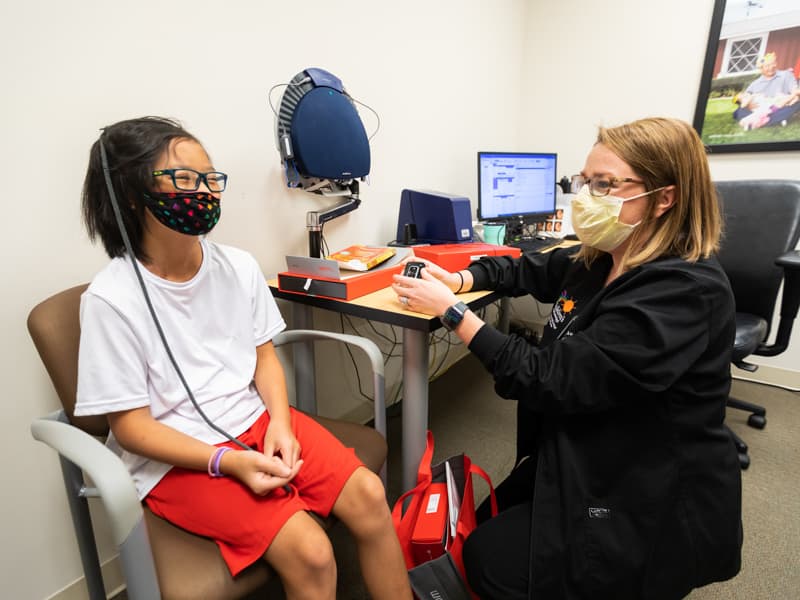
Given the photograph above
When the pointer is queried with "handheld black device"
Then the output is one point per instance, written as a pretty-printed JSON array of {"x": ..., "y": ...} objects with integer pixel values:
[{"x": 413, "y": 269}]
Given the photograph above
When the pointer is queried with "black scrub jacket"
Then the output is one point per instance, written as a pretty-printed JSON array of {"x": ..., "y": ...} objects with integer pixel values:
[{"x": 638, "y": 486}]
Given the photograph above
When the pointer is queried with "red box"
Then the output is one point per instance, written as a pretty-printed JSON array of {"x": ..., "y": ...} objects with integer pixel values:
[
  {"x": 454, "y": 257},
  {"x": 339, "y": 289},
  {"x": 428, "y": 535}
]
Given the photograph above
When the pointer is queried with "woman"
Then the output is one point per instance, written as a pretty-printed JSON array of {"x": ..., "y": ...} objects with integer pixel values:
[
  {"x": 627, "y": 484},
  {"x": 251, "y": 494}
]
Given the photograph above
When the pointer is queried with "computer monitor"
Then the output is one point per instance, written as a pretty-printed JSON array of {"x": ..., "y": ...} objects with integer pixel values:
[{"x": 517, "y": 188}]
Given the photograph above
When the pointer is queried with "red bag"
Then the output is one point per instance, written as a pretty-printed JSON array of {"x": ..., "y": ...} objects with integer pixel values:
[{"x": 416, "y": 526}]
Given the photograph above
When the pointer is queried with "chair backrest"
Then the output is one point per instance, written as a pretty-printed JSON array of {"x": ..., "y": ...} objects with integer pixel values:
[
  {"x": 54, "y": 326},
  {"x": 762, "y": 221}
]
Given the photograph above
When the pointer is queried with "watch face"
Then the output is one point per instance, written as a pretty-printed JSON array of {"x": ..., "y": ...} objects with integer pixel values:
[{"x": 454, "y": 315}]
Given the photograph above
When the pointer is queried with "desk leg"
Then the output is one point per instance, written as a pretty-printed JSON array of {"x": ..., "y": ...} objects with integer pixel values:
[
  {"x": 303, "y": 352},
  {"x": 415, "y": 402}
]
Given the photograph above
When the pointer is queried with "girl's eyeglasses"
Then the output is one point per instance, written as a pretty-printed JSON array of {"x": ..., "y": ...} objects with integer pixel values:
[{"x": 189, "y": 180}]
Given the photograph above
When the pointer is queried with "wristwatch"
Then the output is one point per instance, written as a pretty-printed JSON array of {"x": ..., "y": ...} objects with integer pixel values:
[{"x": 454, "y": 315}]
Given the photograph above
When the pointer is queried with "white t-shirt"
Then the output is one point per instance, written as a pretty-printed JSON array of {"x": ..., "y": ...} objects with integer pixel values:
[{"x": 213, "y": 324}]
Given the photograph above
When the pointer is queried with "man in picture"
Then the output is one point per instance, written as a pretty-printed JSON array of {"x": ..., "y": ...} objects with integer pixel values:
[{"x": 770, "y": 99}]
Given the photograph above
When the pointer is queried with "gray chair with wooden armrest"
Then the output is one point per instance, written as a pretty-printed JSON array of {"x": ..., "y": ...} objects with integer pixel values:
[{"x": 158, "y": 559}]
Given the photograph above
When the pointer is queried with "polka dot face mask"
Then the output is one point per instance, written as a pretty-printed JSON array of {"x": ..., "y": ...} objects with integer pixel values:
[{"x": 192, "y": 213}]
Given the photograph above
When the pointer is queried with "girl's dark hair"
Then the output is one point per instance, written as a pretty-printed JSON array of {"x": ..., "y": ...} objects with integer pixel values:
[{"x": 132, "y": 147}]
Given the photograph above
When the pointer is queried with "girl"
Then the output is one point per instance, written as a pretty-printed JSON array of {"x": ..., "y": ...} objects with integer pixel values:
[{"x": 215, "y": 310}]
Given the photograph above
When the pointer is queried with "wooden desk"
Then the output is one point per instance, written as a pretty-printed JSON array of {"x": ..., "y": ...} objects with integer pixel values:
[{"x": 381, "y": 306}]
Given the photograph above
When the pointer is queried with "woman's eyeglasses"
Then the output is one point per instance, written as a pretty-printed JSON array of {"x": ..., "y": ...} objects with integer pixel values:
[
  {"x": 599, "y": 186},
  {"x": 189, "y": 180}
]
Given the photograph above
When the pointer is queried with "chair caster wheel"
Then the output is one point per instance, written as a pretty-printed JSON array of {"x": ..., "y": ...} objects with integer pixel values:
[
  {"x": 744, "y": 461},
  {"x": 757, "y": 421}
]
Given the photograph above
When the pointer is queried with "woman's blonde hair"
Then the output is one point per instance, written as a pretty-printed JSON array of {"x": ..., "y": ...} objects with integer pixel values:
[{"x": 665, "y": 152}]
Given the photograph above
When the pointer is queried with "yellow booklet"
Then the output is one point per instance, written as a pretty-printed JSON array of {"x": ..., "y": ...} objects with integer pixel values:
[{"x": 361, "y": 258}]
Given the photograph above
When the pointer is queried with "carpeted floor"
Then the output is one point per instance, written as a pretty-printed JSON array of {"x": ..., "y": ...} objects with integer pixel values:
[{"x": 466, "y": 416}]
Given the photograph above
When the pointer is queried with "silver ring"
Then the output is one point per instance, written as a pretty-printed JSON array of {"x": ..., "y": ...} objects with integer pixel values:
[{"x": 403, "y": 300}]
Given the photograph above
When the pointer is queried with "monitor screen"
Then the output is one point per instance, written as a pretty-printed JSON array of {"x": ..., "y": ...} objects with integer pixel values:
[{"x": 516, "y": 186}]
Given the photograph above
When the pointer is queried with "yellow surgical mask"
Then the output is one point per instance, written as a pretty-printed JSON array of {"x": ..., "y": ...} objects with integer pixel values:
[{"x": 596, "y": 219}]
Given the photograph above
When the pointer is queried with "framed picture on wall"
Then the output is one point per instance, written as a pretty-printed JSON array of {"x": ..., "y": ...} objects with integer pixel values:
[{"x": 749, "y": 99}]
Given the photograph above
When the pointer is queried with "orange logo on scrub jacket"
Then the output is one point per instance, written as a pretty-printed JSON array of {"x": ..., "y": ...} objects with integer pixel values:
[{"x": 561, "y": 310}]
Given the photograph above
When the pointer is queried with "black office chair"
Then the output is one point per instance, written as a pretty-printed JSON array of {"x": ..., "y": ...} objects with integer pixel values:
[{"x": 762, "y": 227}]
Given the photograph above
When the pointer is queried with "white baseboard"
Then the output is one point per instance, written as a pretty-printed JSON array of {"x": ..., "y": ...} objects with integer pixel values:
[
  {"x": 112, "y": 577},
  {"x": 783, "y": 378}
]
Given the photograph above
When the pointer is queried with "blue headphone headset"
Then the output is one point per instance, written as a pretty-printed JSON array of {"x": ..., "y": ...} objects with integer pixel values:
[{"x": 319, "y": 131}]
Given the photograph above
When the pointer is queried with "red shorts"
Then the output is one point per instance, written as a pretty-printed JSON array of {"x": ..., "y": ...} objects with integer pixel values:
[{"x": 241, "y": 523}]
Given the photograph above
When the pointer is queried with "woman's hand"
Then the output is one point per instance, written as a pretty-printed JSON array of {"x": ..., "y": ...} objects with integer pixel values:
[
  {"x": 259, "y": 472},
  {"x": 429, "y": 294},
  {"x": 451, "y": 280}
]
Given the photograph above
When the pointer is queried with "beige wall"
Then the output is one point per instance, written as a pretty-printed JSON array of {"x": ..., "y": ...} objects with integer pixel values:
[
  {"x": 444, "y": 77},
  {"x": 448, "y": 78}
]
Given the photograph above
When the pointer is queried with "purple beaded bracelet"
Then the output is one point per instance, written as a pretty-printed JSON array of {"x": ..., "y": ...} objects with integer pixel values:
[{"x": 213, "y": 462}]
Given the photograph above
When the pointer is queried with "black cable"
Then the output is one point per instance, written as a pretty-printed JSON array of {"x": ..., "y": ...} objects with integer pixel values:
[
  {"x": 126, "y": 241},
  {"x": 386, "y": 356},
  {"x": 447, "y": 338},
  {"x": 435, "y": 372},
  {"x": 394, "y": 341},
  {"x": 324, "y": 248},
  {"x": 358, "y": 376},
  {"x": 353, "y": 360}
]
